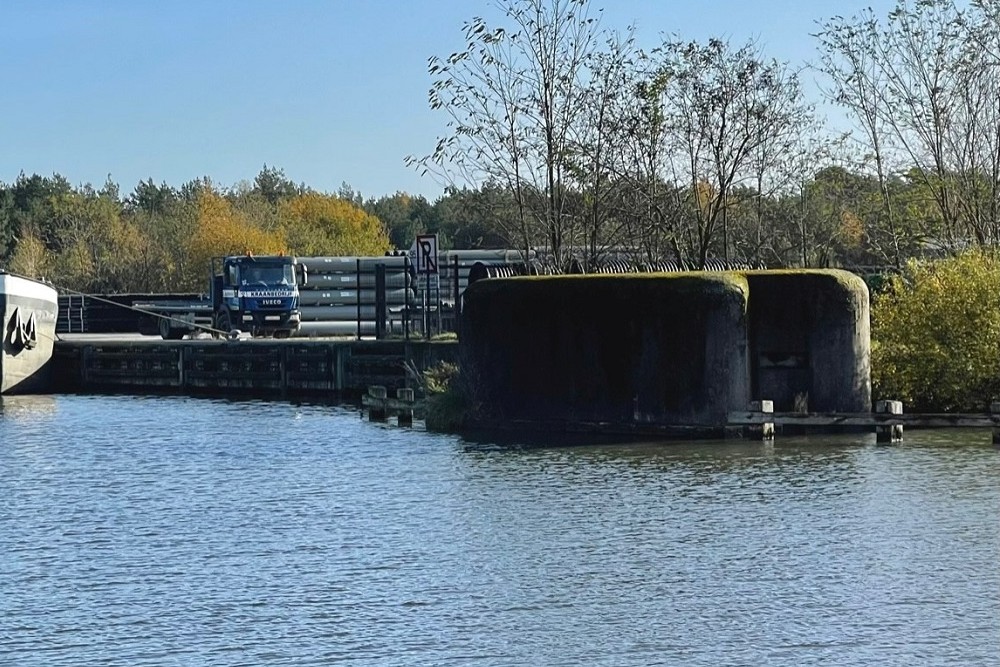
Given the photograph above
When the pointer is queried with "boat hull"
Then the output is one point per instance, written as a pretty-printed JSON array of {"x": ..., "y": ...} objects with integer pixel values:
[{"x": 29, "y": 309}]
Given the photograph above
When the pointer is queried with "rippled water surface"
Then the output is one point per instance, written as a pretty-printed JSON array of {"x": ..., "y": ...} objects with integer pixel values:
[{"x": 178, "y": 531}]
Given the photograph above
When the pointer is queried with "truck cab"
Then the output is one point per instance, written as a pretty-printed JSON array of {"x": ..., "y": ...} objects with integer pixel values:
[{"x": 257, "y": 294}]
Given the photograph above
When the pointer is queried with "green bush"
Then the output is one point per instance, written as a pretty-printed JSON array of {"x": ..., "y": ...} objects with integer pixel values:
[
  {"x": 936, "y": 334},
  {"x": 447, "y": 404}
]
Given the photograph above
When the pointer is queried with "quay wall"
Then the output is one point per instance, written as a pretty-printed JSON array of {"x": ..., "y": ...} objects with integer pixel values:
[{"x": 257, "y": 366}]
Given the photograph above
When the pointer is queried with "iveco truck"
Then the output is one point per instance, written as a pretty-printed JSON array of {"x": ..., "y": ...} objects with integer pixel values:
[{"x": 258, "y": 295}]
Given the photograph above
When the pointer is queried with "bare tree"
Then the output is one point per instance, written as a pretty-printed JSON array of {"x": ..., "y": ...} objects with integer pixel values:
[
  {"x": 725, "y": 109},
  {"x": 974, "y": 135},
  {"x": 604, "y": 121},
  {"x": 909, "y": 84},
  {"x": 647, "y": 199},
  {"x": 512, "y": 96}
]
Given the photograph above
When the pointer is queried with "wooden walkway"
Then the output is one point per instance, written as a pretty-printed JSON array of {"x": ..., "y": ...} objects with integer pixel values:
[
  {"x": 866, "y": 419},
  {"x": 888, "y": 420}
]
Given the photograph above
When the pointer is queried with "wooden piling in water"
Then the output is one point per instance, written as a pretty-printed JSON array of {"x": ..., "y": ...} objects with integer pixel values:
[
  {"x": 995, "y": 413},
  {"x": 377, "y": 408},
  {"x": 764, "y": 430},
  {"x": 404, "y": 413},
  {"x": 889, "y": 432},
  {"x": 380, "y": 406}
]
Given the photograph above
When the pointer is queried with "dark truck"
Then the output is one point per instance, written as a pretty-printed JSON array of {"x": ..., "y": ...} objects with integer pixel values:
[{"x": 255, "y": 294}]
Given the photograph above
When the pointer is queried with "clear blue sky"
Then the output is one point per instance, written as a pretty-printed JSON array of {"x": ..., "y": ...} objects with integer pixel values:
[{"x": 331, "y": 91}]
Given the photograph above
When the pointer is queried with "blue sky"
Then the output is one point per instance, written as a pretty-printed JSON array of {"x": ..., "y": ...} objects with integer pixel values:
[{"x": 331, "y": 91}]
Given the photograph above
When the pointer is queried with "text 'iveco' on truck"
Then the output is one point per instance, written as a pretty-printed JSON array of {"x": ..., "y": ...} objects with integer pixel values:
[{"x": 247, "y": 293}]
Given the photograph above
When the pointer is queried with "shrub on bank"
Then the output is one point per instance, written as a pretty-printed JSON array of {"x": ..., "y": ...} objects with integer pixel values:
[
  {"x": 448, "y": 401},
  {"x": 936, "y": 334}
]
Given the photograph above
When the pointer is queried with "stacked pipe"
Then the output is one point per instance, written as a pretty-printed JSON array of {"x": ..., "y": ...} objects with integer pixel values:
[
  {"x": 663, "y": 266},
  {"x": 479, "y": 270},
  {"x": 340, "y": 297},
  {"x": 455, "y": 267},
  {"x": 108, "y": 313},
  {"x": 668, "y": 266}
]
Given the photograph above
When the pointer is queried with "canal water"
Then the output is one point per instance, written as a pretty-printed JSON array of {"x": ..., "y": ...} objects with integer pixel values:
[{"x": 180, "y": 531}]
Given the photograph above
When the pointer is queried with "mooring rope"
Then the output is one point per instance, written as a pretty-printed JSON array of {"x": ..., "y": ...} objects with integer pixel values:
[{"x": 67, "y": 290}]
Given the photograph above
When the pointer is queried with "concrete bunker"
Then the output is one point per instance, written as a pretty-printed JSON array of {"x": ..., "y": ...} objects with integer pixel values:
[
  {"x": 809, "y": 340},
  {"x": 666, "y": 348}
]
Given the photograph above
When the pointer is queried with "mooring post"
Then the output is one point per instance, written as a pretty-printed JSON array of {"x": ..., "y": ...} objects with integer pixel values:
[
  {"x": 764, "y": 430},
  {"x": 376, "y": 407},
  {"x": 995, "y": 414},
  {"x": 889, "y": 432},
  {"x": 405, "y": 413}
]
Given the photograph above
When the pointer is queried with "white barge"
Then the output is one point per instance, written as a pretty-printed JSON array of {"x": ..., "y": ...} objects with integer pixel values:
[{"x": 28, "y": 309}]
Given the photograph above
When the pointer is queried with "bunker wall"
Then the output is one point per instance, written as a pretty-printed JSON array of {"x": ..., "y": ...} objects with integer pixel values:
[{"x": 658, "y": 348}]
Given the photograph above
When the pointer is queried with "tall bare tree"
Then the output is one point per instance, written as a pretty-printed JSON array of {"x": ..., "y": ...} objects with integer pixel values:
[
  {"x": 913, "y": 89},
  {"x": 974, "y": 136},
  {"x": 603, "y": 123},
  {"x": 726, "y": 109},
  {"x": 512, "y": 97}
]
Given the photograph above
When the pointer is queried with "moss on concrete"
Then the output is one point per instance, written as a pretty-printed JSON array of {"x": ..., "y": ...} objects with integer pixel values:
[
  {"x": 661, "y": 348},
  {"x": 809, "y": 337}
]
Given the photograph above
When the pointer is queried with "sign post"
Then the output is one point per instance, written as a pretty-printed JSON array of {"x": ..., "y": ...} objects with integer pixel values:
[
  {"x": 427, "y": 253},
  {"x": 426, "y": 246}
]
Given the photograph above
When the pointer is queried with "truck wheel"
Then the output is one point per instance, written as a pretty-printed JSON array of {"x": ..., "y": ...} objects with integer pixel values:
[
  {"x": 223, "y": 325},
  {"x": 168, "y": 332}
]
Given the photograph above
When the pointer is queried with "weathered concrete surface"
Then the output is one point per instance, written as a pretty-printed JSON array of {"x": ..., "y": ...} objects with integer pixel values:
[
  {"x": 809, "y": 337},
  {"x": 656, "y": 348},
  {"x": 666, "y": 348}
]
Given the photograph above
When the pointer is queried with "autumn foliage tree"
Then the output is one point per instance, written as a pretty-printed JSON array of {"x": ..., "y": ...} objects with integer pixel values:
[
  {"x": 221, "y": 231},
  {"x": 935, "y": 331},
  {"x": 324, "y": 225}
]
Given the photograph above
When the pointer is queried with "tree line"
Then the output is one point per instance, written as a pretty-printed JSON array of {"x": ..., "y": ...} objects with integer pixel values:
[
  {"x": 566, "y": 136},
  {"x": 692, "y": 150},
  {"x": 160, "y": 238}
]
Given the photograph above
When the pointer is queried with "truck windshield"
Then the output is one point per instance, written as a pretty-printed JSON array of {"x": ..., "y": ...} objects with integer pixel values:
[{"x": 262, "y": 274}]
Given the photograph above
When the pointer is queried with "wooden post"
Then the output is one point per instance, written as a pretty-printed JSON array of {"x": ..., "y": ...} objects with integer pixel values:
[
  {"x": 85, "y": 360},
  {"x": 405, "y": 416},
  {"x": 283, "y": 370},
  {"x": 995, "y": 414},
  {"x": 182, "y": 364},
  {"x": 376, "y": 407},
  {"x": 765, "y": 430},
  {"x": 341, "y": 353},
  {"x": 889, "y": 432}
]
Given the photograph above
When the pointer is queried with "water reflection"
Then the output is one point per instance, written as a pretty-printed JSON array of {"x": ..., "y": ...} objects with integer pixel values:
[
  {"x": 178, "y": 531},
  {"x": 28, "y": 407}
]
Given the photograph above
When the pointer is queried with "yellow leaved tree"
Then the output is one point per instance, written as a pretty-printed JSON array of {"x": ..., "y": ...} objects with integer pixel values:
[
  {"x": 32, "y": 258},
  {"x": 220, "y": 231},
  {"x": 95, "y": 248},
  {"x": 936, "y": 334},
  {"x": 325, "y": 225}
]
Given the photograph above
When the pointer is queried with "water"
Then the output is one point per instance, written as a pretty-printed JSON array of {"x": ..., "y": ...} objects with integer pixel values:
[{"x": 178, "y": 531}]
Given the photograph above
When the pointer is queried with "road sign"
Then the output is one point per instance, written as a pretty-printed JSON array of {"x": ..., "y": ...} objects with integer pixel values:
[{"x": 427, "y": 253}]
